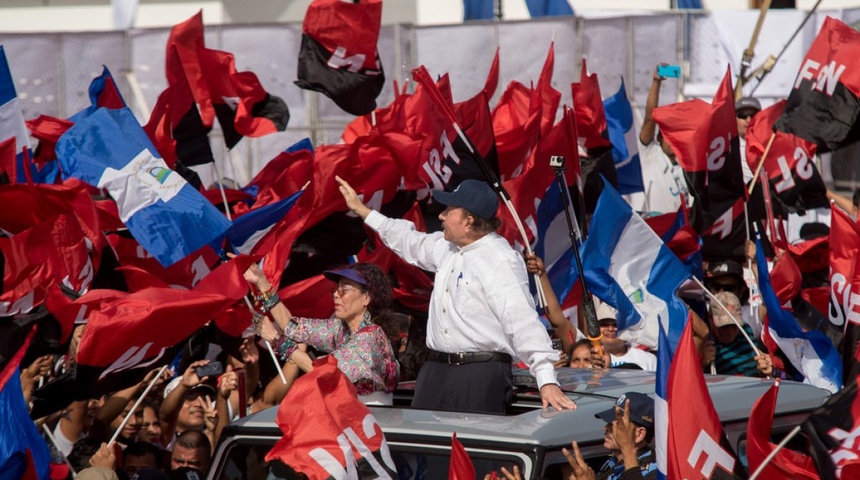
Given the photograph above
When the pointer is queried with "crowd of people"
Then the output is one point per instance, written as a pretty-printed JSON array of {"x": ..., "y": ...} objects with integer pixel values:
[{"x": 481, "y": 321}]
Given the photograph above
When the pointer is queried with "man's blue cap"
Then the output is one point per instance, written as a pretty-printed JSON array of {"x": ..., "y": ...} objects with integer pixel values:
[
  {"x": 641, "y": 409},
  {"x": 473, "y": 195},
  {"x": 348, "y": 273}
]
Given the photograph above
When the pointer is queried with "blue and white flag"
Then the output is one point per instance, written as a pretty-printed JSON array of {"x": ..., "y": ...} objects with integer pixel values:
[
  {"x": 625, "y": 145},
  {"x": 812, "y": 353},
  {"x": 166, "y": 215},
  {"x": 251, "y": 227},
  {"x": 12, "y": 125},
  {"x": 548, "y": 8},
  {"x": 628, "y": 266},
  {"x": 486, "y": 9}
]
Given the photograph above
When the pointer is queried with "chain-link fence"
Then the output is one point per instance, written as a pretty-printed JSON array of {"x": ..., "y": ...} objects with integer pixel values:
[{"x": 52, "y": 71}]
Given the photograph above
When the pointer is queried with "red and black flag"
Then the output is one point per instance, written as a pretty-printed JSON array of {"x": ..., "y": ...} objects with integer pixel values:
[
  {"x": 705, "y": 140},
  {"x": 338, "y": 56},
  {"x": 789, "y": 165},
  {"x": 825, "y": 100},
  {"x": 187, "y": 37},
  {"x": 832, "y": 430},
  {"x": 241, "y": 104}
]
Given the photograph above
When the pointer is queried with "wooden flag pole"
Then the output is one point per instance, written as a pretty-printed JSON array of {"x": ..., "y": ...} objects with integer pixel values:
[{"x": 761, "y": 163}]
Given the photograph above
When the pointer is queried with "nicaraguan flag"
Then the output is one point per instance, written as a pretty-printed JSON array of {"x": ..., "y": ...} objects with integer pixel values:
[
  {"x": 628, "y": 266},
  {"x": 625, "y": 147},
  {"x": 169, "y": 218},
  {"x": 811, "y": 353},
  {"x": 486, "y": 9},
  {"x": 552, "y": 242},
  {"x": 251, "y": 227},
  {"x": 661, "y": 404},
  {"x": 12, "y": 125}
]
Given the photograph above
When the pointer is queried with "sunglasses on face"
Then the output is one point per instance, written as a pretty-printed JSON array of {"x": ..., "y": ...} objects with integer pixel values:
[
  {"x": 723, "y": 287},
  {"x": 745, "y": 115}
]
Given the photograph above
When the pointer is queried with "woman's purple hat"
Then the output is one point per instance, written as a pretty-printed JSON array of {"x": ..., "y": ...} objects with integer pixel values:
[{"x": 348, "y": 273}]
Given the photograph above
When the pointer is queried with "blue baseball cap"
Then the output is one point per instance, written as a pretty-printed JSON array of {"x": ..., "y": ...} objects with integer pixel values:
[
  {"x": 348, "y": 273},
  {"x": 641, "y": 409},
  {"x": 473, "y": 195}
]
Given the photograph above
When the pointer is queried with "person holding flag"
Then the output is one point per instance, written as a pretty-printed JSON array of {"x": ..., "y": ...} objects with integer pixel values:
[
  {"x": 481, "y": 312},
  {"x": 357, "y": 334}
]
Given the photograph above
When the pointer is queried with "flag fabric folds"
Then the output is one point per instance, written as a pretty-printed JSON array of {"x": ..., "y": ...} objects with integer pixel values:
[
  {"x": 844, "y": 286},
  {"x": 338, "y": 55},
  {"x": 692, "y": 433},
  {"x": 812, "y": 353},
  {"x": 790, "y": 164},
  {"x": 241, "y": 104},
  {"x": 248, "y": 229},
  {"x": 328, "y": 432},
  {"x": 23, "y": 452},
  {"x": 628, "y": 266},
  {"x": 12, "y": 126},
  {"x": 624, "y": 138},
  {"x": 166, "y": 215},
  {"x": 461, "y": 467},
  {"x": 787, "y": 463},
  {"x": 832, "y": 431},
  {"x": 824, "y": 103}
]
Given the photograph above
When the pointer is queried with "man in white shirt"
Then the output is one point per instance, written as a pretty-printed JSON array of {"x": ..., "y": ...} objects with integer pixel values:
[
  {"x": 481, "y": 312},
  {"x": 662, "y": 176}
]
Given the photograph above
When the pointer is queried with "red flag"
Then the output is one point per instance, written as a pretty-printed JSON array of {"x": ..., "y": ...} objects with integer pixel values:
[
  {"x": 368, "y": 165},
  {"x": 516, "y": 127},
  {"x": 695, "y": 435},
  {"x": 844, "y": 274},
  {"x": 588, "y": 105},
  {"x": 529, "y": 189},
  {"x": 184, "y": 65},
  {"x": 787, "y": 463},
  {"x": 242, "y": 105},
  {"x": 133, "y": 328},
  {"x": 47, "y": 130},
  {"x": 7, "y": 160},
  {"x": 474, "y": 115},
  {"x": 328, "y": 432},
  {"x": 184, "y": 274},
  {"x": 461, "y": 467},
  {"x": 188, "y": 125},
  {"x": 549, "y": 95},
  {"x": 52, "y": 252}
]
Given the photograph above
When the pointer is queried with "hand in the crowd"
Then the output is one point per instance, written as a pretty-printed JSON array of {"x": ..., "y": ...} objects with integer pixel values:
[
  {"x": 709, "y": 353},
  {"x": 227, "y": 383},
  {"x": 749, "y": 250},
  {"x": 598, "y": 360},
  {"x": 104, "y": 457},
  {"x": 352, "y": 201},
  {"x": 657, "y": 77},
  {"x": 535, "y": 265},
  {"x": 151, "y": 374},
  {"x": 210, "y": 413},
  {"x": 563, "y": 360},
  {"x": 190, "y": 378},
  {"x": 508, "y": 474},
  {"x": 40, "y": 367},
  {"x": 551, "y": 394},
  {"x": 266, "y": 329},
  {"x": 580, "y": 469},
  {"x": 249, "y": 352},
  {"x": 764, "y": 364},
  {"x": 623, "y": 430},
  {"x": 255, "y": 276}
]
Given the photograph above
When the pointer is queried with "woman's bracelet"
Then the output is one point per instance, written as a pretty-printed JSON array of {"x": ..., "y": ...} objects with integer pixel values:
[{"x": 269, "y": 302}]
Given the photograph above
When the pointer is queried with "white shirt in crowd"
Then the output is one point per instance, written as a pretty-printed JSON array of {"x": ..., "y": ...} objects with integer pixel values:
[
  {"x": 480, "y": 301},
  {"x": 663, "y": 181},
  {"x": 646, "y": 360}
]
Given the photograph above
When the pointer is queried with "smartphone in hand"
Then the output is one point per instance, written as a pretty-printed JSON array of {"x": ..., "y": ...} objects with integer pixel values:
[
  {"x": 668, "y": 71},
  {"x": 209, "y": 370}
]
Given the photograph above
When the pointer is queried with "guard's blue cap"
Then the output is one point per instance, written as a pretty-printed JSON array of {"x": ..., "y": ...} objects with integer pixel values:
[
  {"x": 641, "y": 409},
  {"x": 473, "y": 195}
]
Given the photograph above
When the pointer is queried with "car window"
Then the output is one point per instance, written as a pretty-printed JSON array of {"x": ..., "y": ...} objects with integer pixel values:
[
  {"x": 555, "y": 466},
  {"x": 243, "y": 460},
  {"x": 432, "y": 461}
]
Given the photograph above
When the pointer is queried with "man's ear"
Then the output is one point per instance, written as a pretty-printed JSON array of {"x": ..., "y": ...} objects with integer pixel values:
[{"x": 641, "y": 432}]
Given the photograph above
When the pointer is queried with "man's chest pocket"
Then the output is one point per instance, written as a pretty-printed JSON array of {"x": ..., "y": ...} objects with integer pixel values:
[{"x": 467, "y": 296}]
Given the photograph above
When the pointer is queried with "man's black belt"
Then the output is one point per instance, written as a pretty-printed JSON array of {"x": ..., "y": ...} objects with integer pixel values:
[{"x": 461, "y": 358}]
